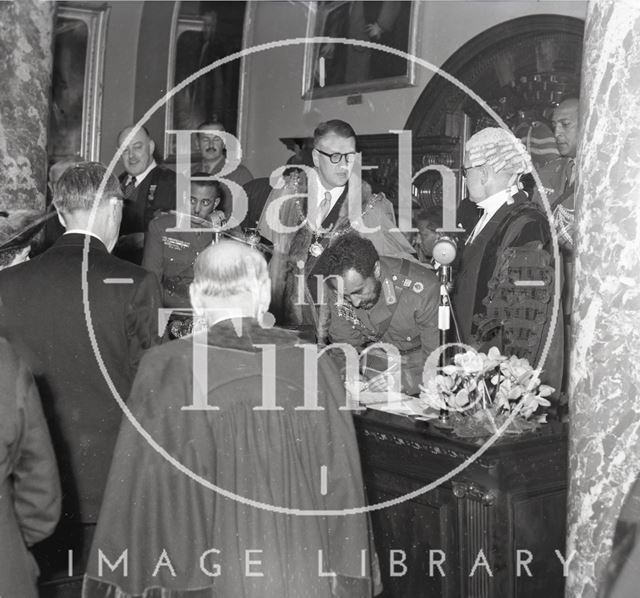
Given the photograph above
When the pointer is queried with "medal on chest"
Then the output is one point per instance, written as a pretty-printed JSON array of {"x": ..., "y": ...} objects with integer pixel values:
[{"x": 315, "y": 249}]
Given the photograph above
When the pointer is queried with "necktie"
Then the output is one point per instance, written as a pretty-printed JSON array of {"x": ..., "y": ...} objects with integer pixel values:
[
  {"x": 129, "y": 188},
  {"x": 571, "y": 173},
  {"x": 324, "y": 208}
]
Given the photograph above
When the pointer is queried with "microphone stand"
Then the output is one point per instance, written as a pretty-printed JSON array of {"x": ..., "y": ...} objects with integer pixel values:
[
  {"x": 444, "y": 252},
  {"x": 444, "y": 324}
]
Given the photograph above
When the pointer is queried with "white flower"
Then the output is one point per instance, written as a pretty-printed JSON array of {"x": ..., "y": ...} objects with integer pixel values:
[
  {"x": 477, "y": 383},
  {"x": 461, "y": 399},
  {"x": 432, "y": 396},
  {"x": 530, "y": 403},
  {"x": 470, "y": 362}
]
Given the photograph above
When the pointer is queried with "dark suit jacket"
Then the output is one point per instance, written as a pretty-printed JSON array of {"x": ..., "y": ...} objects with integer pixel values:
[
  {"x": 156, "y": 193},
  {"x": 29, "y": 486},
  {"x": 42, "y": 313}
]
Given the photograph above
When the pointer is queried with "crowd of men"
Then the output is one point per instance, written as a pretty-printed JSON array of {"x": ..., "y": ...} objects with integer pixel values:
[{"x": 204, "y": 479}]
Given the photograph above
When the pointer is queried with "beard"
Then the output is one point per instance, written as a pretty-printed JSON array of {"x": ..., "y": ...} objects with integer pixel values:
[{"x": 374, "y": 297}]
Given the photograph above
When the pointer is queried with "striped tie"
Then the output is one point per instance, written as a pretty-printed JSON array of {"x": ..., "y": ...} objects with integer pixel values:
[
  {"x": 129, "y": 188},
  {"x": 571, "y": 173},
  {"x": 324, "y": 208}
]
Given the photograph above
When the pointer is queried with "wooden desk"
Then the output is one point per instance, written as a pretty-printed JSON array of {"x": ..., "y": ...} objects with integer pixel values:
[{"x": 512, "y": 497}]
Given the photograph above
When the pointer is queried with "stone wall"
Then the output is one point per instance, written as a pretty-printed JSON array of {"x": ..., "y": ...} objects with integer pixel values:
[
  {"x": 605, "y": 373},
  {"x": 26, "y": 29}
]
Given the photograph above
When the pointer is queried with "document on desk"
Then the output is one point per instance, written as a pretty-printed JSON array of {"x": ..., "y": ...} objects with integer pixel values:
[{"x": 397, "y": 403}]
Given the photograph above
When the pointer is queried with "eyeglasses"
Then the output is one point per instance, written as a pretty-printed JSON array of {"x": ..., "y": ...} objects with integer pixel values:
[
  {"x": 465, "y": 169},
  {"x": 337, "y": 156}
]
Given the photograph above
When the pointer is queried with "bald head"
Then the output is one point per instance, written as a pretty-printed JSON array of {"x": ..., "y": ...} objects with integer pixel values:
[
  {"x": 232, "y": 276},
  {"x": 138, "y": 153},
  {"x": 565, "y": 126}
]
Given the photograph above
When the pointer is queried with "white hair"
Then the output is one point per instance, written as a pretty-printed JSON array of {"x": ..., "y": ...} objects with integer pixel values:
[{"x": 227, "y": 269}]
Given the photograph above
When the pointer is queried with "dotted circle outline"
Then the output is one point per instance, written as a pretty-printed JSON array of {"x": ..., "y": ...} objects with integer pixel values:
[{"x": 87, "y": 310}]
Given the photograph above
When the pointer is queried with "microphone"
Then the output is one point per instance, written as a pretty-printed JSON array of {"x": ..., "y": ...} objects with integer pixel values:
[{"x": 445, "y": 250}]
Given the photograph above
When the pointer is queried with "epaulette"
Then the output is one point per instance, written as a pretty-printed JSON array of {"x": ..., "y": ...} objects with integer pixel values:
[{"x": 406, "y": 280}]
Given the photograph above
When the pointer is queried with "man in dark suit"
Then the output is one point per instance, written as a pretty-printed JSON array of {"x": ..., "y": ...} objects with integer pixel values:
[
  {"x": 147, "y": 188},
  {"x": 43, "y": 311}
]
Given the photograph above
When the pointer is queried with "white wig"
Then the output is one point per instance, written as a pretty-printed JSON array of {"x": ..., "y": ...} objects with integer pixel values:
[{"x": 499, "y": 148}]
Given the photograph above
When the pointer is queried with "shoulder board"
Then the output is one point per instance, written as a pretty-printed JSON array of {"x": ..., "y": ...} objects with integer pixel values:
[
  {"x": 408, "y": 282},
  {"x": 163, "y": 216},
  {"x": 375, "y": 199}
]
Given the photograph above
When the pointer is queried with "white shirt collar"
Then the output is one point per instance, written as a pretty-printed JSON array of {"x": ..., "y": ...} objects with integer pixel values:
[
  {"x": 140, "y": 177},
  {"x": 494, "y": 202},
  {"x": 490, "y": 206},
  {"x": 82, "y": 231}
]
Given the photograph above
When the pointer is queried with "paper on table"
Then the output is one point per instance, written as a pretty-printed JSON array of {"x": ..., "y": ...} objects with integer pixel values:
[{"x": 398, "y": 403}]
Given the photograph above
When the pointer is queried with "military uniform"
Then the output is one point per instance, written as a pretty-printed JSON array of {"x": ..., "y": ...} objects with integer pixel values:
[
  {"x": 406, "y": 316},
  {"x": 170, "y": 255},
  {"x": 559, "y": 185},
  {"x": 557, "y": 181}
]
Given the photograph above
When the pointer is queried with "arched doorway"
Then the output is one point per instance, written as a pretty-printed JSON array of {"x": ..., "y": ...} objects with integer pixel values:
[
  {"x": 526, "y": 64},
  {"x": 521, "y": 68}
]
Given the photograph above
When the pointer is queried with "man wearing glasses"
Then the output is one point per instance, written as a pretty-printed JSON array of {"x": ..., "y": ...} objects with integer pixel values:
[
  {"x": 504, "y": 287},
  {"x": 325, "y": 219}
]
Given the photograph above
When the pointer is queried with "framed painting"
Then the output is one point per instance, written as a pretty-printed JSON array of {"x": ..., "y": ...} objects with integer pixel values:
[
  {"x": 201, "y": 34},
  {"x": 76, "y": 90},
  {"x": 336, "y": 69}
]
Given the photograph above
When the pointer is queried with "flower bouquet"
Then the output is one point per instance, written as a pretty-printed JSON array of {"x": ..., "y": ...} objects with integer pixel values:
[{"x": 481, "y": 391}]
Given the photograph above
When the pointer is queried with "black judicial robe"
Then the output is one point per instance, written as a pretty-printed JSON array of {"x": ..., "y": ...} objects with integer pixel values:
[
  {"x": 250, "y": 462},
  {"x": 512, "y": 226}
]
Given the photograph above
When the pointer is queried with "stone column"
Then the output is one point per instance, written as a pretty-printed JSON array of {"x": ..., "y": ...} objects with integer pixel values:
[
  {"x": 26, "y": 28},
  {"x": 605, "y": 375}
]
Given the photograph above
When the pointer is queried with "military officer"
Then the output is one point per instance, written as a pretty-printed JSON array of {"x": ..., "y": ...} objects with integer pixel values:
[
  {"x": 386, "y": 299},
  {"x": 170, "y": 255}
]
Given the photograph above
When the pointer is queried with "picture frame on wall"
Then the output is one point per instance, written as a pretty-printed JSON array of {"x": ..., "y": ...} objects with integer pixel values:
[
  {"x": 339, "y": 69},
  {"x": 77, "y": 83},
  {"x": 187, "y": 32},
  {"x": 202, "y": 34}
]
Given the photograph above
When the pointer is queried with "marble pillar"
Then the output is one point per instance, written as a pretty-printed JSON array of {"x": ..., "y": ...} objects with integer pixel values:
[
  {"x": 26, "y": 28},
  {"x": 605, "y": 375}
]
